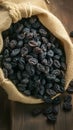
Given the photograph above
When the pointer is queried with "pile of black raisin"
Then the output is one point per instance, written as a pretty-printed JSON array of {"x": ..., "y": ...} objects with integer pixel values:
[
  {"x": 50, "y": 111},
  {"x": 34, "y": 60}
]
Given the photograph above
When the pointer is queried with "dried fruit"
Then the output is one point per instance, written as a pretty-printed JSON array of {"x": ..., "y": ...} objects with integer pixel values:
[
  {"x": 34, "y": 60},
  {"x": 52, "y": 118},
  {"x": 15, "y": 52},
  {"x": 67, "y": 106},
  {"x": 71, "y": 34}
]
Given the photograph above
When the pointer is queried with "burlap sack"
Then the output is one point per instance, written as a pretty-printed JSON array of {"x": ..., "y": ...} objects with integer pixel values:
[{"x": 14, "y": 10}]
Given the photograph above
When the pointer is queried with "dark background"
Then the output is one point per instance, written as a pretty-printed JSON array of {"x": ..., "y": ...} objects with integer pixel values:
[{"x": 16, "y": 116}]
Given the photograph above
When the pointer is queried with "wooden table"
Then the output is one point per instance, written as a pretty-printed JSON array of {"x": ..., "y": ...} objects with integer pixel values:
[{"x": 16, "y": 116}]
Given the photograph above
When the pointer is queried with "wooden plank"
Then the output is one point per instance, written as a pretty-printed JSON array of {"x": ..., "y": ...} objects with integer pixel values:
[
  {"x": 22, "y": 119},
  {"x": 4, "y": 111},
  {"x": 64, "y": 11},
  {"x": 69, "y": 119},
  {"x": 60, "y": 124}
]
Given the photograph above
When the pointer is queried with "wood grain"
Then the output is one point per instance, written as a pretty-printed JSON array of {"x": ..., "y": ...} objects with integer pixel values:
[
  {"x": 4, "y": 111},
  {"x": 16, "y": 116}
]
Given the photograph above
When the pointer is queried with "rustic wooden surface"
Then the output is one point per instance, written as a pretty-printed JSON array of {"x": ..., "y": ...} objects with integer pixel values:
[
  {"x": 4, "y": 111},
  {"x": 16, "y": 116}
]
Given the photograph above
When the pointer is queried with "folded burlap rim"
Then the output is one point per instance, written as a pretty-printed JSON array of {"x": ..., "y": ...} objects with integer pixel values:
[{"x": 11, "y": 11}]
